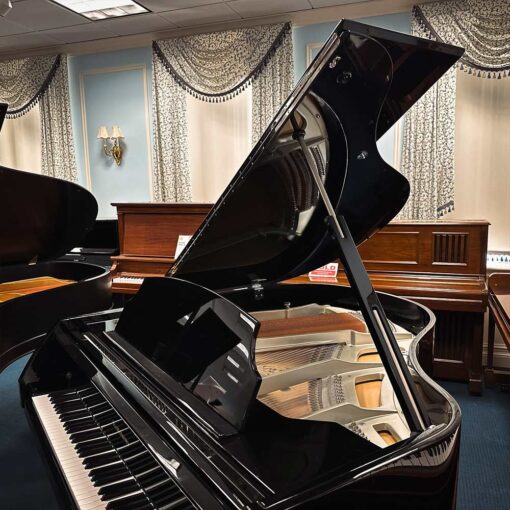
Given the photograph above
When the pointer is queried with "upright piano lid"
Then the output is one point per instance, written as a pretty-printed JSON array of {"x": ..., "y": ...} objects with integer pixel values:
[
  {"x": 41, "y": 217},
  {"x": 269, "y": 224}
]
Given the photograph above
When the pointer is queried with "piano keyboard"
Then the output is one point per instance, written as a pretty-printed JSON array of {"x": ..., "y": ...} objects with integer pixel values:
[
  {"x": 135, "y": 280},
  {"x": 105, "y": 465}
]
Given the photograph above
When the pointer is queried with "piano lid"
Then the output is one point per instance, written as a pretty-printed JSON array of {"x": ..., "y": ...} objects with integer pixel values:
[
  {"x": 41, "y": 217},
  {"x": 269, "y": 223}
]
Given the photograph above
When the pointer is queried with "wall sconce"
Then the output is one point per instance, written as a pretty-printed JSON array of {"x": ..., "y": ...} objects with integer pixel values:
[{"x": 114, "y": 150}]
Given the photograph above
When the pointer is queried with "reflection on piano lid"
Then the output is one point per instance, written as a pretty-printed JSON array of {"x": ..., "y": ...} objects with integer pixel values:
[
  {"x": 99, "y": 244},
  {"x": 316, "y": 425}
]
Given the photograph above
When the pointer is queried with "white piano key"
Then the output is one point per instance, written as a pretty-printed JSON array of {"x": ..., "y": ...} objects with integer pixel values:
[
  {"x": 128, "y": 279},
  {"x": 77, "y": 476}
]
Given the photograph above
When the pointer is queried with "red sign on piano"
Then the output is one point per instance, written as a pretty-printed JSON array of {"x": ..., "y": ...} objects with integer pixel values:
[{"x": 327, "y": 271}]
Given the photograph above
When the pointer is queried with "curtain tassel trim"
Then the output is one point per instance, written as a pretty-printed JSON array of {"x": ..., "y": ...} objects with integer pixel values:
[
  {"x": 228, "y": 94},
  {"x": 464, "y": 64},
  {"x": 22, "y": 110},
  {"x": 445, "y": 209}
]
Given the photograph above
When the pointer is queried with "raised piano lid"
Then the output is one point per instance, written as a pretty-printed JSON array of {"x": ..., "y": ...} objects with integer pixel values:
[
  {"x": 268, "y": 225},
  {"x": 42, "y": 217}
]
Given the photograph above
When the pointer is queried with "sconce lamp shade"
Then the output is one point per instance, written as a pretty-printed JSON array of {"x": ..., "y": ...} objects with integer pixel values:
[
  {"x": 102, "y": 133},
  {"x": 116, "y": 132}
]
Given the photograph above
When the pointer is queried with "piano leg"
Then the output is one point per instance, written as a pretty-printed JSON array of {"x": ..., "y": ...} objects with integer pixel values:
[
  {"x": 475, "y": 363},
  {"x": 489, "y": 371}
]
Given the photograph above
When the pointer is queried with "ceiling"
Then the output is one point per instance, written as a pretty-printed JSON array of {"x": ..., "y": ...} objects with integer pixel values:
[{"x": 42, "y": 25}]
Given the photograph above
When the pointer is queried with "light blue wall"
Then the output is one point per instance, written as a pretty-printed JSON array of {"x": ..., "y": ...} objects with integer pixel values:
[
  {"x": 101, "y": 96},
  {"x": 113, "y": 89},
  {"x": 314, "y": 34}
]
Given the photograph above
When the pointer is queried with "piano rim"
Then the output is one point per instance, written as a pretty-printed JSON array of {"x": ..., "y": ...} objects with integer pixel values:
[
  {"x": 29, "y": 345},
  {"x": 336, "y": 480}
]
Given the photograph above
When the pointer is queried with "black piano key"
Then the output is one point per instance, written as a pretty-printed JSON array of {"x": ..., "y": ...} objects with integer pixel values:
[
  {"x": 85, "y": 391},
  {"x": 114, "y": 426},
  {"x": 62, "y": 396},
  {"x": 119, "y": 440},
  {"x": 125, "y": 503},
  {"x": 118, "y": 489},
  {"x": 141, "y": 463},
  {"x": 140, "y": 504},
  {"x": 163, "y": 490},
  {"x": 105, "y": 417},
  {"x": 93, "y": 400},
  {"x": 174, "y": 503},
  {"x": 99, "y": 408},
  {"x": 66, "y": 407},
  {"x": 100, "y": 460},
  {"x": 80, "y": 425},
  {"x": 144, "y": 467},
  {"x": 102, "y": 472},
  {"x": 112, "y": 476},
  {"x": 79, "y": 437},
  {"x": 152, "y": 477},
  {"x": 76, "y": 415},
  {"x": 132, "y": 449},
  {"x": 93, "y": 448}
]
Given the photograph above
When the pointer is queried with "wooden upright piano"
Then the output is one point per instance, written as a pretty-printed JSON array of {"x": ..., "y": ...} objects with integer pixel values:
[
  {"x": 442, "y": 265},
  {"x": 148, "y": 235}
]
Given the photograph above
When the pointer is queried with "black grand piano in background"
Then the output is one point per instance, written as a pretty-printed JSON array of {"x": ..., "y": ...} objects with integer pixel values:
[
  {"x": 219, "y": 387},
  {"x": 42, "y": 218}
]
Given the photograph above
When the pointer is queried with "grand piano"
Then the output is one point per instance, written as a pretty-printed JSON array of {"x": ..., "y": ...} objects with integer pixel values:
[
  {"x": 218, "y": 386},
  {"x": 42, "y": 218}
]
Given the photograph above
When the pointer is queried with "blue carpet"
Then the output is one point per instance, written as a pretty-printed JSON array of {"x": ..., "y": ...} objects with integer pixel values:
[{"x": 484, "y": 465}]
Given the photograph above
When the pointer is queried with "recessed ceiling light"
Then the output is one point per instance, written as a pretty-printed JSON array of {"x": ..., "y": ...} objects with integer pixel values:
[{"x": 102, "y": 9}]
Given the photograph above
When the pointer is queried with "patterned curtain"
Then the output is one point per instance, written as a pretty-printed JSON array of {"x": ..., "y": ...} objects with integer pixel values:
[
  {"x": 482, "y": 27},
  {"x": 28, "y": 81},
  {"x": 213, "y": 67}
]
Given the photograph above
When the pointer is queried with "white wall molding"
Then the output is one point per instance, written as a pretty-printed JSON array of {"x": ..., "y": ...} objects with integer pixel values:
[{"x": 83, "y": 111}]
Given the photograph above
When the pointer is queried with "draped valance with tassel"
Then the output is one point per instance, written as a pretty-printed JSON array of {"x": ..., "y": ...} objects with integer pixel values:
[
  {"x": 213, "y": 67},
  {"x": 482, "y": 27},
  {"x": 216, "y": 67},
  {"x": 24, "y": 81},
  {"x": 43, "y": 80}
]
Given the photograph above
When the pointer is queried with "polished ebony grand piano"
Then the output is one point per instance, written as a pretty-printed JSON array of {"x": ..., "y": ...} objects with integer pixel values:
[
  {"x": 217, "y": 386},
  {"x": 42, "y": 218}
]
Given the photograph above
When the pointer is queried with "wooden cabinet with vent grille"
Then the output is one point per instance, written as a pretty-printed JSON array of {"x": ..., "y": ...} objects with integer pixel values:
[{"x": 441, "y": 264}]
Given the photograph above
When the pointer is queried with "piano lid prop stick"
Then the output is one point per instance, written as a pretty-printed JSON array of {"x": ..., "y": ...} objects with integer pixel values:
[{"x": 370, "y": 306}]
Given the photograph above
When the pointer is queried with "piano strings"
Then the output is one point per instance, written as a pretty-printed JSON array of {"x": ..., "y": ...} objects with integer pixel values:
[{"x": 18, "y": 288}]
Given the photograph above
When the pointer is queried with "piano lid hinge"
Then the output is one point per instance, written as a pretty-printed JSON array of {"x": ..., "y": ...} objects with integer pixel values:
[{"x": 258, "y": 289}]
